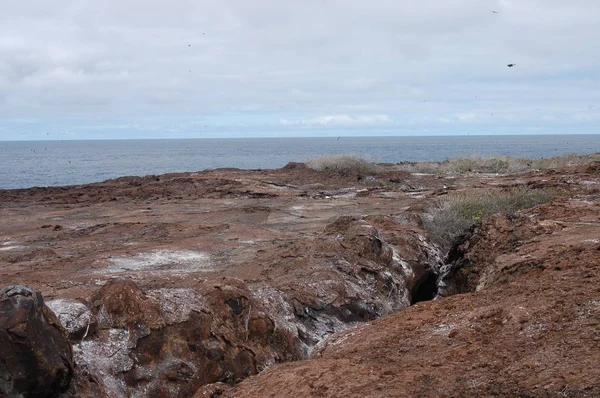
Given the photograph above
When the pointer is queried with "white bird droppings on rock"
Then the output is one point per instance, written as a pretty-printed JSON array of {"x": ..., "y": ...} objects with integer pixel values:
[{"x": 180, "y": 260}]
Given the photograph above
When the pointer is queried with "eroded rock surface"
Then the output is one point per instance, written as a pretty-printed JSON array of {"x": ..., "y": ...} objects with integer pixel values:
[
  {"x": 191, "y": 283},
  {"x": 172, "y": 341},
  {"x": 527, "y": 325}
]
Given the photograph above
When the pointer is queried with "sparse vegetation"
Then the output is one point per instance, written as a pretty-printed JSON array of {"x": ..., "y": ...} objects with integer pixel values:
[
  {"x": 497, "y": 164},
  {"x": 458, "y": 212},
  {"x": 342, "y": 164}
]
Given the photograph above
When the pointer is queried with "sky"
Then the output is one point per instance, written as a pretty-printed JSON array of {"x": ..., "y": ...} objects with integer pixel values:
[{"x": 79, "y": 69}]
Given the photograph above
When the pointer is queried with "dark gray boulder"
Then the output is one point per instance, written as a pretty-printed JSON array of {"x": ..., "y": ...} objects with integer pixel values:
[{"x": 36, "y": 359}]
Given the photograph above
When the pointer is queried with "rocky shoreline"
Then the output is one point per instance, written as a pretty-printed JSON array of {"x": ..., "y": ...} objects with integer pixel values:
[{"x": 293, "y": 282}]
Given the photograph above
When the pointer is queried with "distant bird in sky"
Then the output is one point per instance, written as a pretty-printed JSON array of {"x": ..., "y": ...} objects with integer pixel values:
[
  {"x": 510, "y": 65},
  {"x": 495, "y": 12}
]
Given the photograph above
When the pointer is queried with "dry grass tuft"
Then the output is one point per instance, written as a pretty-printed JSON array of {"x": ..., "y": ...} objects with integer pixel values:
[
  {"x": 342, "y": 164},
  {"x": 497, "y": 164},
  {"x": 452, "y": 217}
]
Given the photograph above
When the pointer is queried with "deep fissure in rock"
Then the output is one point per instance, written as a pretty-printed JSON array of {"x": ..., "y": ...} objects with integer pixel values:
[{"x": 426, "y": 290}]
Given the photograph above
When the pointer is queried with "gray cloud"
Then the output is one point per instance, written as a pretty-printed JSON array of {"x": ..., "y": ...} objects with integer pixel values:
[{"x": 426, "y": 62}]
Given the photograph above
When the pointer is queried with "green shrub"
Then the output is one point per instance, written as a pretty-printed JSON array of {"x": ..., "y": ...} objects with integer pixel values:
[{"x": 457, "y": 213}]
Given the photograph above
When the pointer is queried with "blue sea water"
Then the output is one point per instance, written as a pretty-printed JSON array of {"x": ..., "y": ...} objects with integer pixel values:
[{"x": 26, "y": 164}]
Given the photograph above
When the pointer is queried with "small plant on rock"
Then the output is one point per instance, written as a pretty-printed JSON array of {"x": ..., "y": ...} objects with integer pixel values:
[
  {"x": 453, "y": 216},
  {"x": 342, "y": 164},
  {"x": 497, "y": 164}
]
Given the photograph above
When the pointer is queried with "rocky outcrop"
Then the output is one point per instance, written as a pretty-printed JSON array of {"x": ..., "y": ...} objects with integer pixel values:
[
  {"x": 172, "y": 341},
  {"x": 527, "y": 325},
  {"x": 195, "y": 284},
  {"x": 355, "y": 275},
  {"x": 35, "y": 356},
  {"x": 472, "y": 263}
]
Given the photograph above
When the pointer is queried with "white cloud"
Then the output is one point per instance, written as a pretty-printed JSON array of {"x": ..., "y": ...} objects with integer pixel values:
[
  {"x": 587, "y": 117},
  {"x": 340, "y": 120},
  {"x": 466, "y": 117}
]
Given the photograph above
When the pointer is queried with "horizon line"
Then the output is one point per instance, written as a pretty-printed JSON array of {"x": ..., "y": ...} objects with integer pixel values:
[{"x": 305, "y": 137}]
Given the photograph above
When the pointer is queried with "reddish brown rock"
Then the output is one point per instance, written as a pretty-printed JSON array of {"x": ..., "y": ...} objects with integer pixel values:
[
  {"x": 170, "y": 342},
  {"x": 35, "y": 356},
  {"x": 228, "y": 273},
  {"x": 121, "y": 304},
  {"x": 472, "y": 262},
  {"x": 529, "y": 330},
  {"x": 212, "y": 390}
]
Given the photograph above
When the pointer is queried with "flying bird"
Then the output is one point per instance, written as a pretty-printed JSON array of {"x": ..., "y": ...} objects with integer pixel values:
[
  {"x": 495, "y": 12},
  {"x": 510, "y": 65}
]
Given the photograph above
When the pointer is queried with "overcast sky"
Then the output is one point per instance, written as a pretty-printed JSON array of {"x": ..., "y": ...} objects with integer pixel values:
[{"x": 79, "y": 69}]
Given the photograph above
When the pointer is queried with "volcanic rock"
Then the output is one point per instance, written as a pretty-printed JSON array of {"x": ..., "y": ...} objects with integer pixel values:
[
  {"x": 35, "y": 356},
  {"x": 220, "y": 282},
  {"x": 76, "y": 317}
]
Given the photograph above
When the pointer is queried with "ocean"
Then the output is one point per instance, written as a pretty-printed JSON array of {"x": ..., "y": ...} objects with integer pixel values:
[{"x": 25, "y": 164}]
